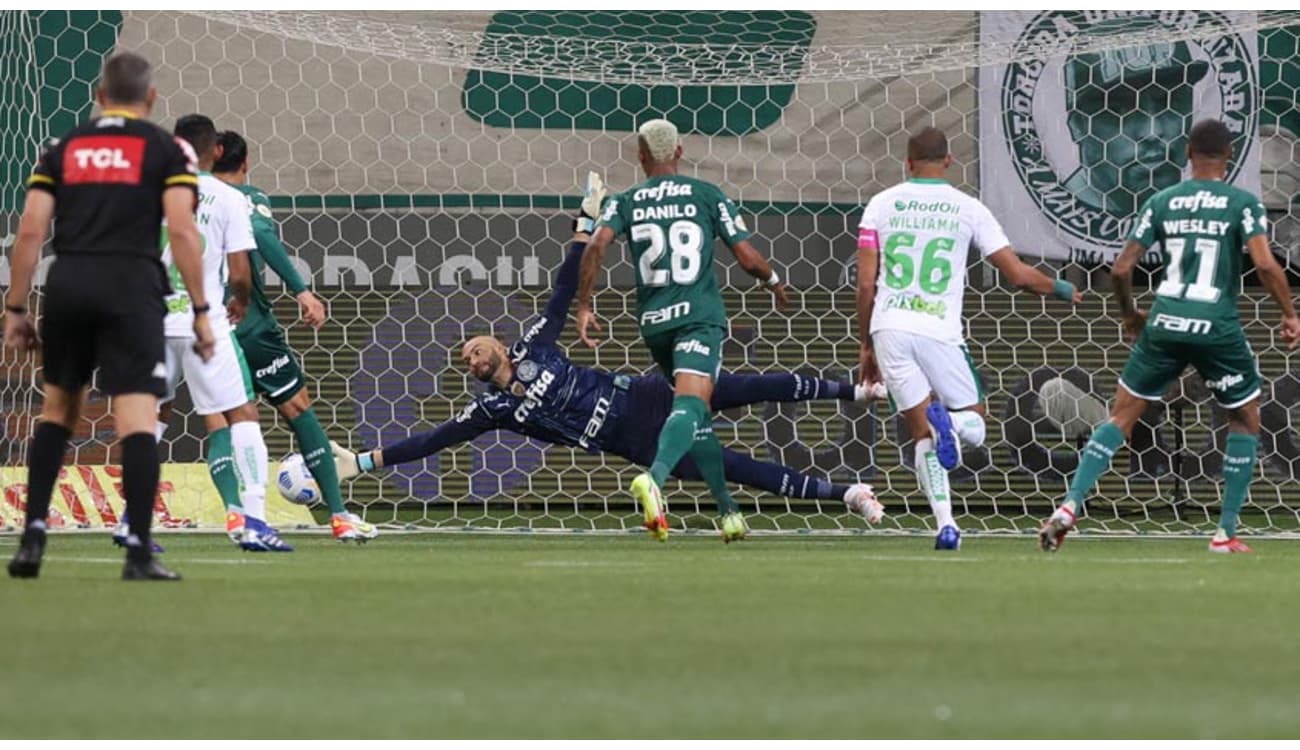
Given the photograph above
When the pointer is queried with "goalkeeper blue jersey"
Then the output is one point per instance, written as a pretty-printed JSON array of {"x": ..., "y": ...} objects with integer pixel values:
[{"x": 549, "y": 397}]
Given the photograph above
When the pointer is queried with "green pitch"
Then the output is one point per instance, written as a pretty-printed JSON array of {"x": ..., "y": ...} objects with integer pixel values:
[{"x": 459, "y": 636}]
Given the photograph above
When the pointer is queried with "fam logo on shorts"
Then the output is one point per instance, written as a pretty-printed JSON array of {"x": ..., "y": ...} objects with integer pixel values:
[{"x": 1128, "y": 110}]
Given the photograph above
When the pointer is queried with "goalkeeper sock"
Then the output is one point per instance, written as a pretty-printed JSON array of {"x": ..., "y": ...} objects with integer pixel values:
[
  {"x": 779, "y": 480},
  {"x": 676, "y": 437},
  {"x": 221, "y": 465},
  {"x": 742, "y": 390},
  {"x": 159, "y": 429},
  {"x": 44, "y": 457},
  {"x": 1238, "y": 470},
  {"x": 969, "y": 426},
  {"x": 706, "y": 451},
  {"x": 250, "y": 465},
  {"x": 934, "y": 483},
  {"x": 1093, "y": 462},
  {"x": 315, "y": 447}
]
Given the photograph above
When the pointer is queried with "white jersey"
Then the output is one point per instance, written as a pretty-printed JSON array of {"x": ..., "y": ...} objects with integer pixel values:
[
  {"x": 225, "y": 228},
  {"x": 924, "y": 229}
]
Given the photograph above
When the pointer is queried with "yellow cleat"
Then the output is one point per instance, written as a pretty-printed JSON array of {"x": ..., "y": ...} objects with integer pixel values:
[
  {"x": 653, "y": 510},
  {"x": 733, "y": 527}
]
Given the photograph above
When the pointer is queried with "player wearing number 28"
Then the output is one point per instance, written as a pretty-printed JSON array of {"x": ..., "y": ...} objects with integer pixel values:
[
  {"x": 912, "y": 247},
  {"x": 1202, "y": 225},
  {"x": 671, "y": 222}
]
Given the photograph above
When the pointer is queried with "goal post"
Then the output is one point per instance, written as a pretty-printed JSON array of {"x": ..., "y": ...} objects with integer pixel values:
[{"x": 424, "y": 166}]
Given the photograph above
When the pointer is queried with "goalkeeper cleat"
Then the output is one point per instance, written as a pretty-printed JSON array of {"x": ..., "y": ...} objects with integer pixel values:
[
  {"x": 27, "y": 560},
  {"x": 949, "y": 538},
  {"x": 946, "y": 448},
  {"x": 149, "y": 570},
  {"x": 861, "y": 500},
  {"x": 1052, "y": 533},
  {"x": 236, "y": 523},
  {"x": 348, "y": 527},
  {"x": 733, "y": 527},
  {"x": 870, "y": 392},
  {"x": 122, "y": 532},
  {"x": 345, "y": 461},
  {"x": 651, "y": 500},
  {"x": 1229, "y": 546},
  {"x": 258, "y": 537}
]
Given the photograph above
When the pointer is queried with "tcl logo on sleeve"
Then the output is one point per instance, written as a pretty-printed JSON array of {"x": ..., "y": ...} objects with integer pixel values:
[{"x": 103, "y": 158}]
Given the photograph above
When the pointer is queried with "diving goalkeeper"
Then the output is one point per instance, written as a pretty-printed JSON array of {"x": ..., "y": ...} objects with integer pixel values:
[{"x": 534, "y": 390}]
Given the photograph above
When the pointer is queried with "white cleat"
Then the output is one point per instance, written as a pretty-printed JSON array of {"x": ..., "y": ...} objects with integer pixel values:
[
  {"x": 861, "y": 500},
  {"x": 1052, "y": 533}
]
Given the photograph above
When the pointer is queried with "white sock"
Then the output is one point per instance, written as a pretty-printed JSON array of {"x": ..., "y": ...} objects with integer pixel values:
[
  {"x": 934, "y": 482},
  {"x": 250, "y": 465},
  {"x": 969, "y": 426},
  {"x": 159, "y": 429}
]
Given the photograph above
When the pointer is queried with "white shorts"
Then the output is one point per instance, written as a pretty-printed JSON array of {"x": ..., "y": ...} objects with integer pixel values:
[
  {"x": 218, "y": 385},
  {"x": 913, "y": 365}
]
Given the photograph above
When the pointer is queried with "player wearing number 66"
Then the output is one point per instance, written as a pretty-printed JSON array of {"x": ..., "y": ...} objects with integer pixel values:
[
  {"x": 912, "y": 247},
  {"x": 1202, "y": 226}
]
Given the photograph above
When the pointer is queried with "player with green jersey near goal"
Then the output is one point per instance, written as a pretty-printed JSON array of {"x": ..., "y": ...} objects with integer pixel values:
[
  {"x": 276, "y": 374},
  {"x": 1203, "y": 225},
  {"x": 671, "y": 222},
  {"x": 912, "y": 246}
]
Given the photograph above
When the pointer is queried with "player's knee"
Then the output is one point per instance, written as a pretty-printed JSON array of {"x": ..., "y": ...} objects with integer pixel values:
[{"x": 294, "y": 407}]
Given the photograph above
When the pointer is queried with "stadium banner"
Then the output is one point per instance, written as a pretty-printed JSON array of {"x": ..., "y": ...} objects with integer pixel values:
[
  {"x": 1073, "y": 144},
  {"x": 87, "y": 497}
]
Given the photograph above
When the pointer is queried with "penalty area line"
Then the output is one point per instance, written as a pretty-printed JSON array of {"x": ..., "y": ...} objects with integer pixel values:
[{"x": 119, "y": 561}]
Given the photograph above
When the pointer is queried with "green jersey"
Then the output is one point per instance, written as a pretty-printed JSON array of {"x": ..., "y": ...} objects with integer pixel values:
[
  {"x": 1202, "y": 227},
  {"x": 671, "y": 223},
  {"x": 270, "y": 251}
]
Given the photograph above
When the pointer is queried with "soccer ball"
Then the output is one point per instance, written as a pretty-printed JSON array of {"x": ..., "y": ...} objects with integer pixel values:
[{"x": 296, "y": 483}]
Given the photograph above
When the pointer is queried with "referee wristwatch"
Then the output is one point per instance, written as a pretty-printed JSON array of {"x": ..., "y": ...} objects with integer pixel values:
[{"x": 201, "y": 309}]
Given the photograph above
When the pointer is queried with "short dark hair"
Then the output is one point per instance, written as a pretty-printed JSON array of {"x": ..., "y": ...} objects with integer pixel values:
[
  {"x": 928, "y": 145},
  {"x": 199, "y": 130},
  {"x": 126, "y": 78},
  {"x": 1210, "y": 138},
  {"x": 234, "y": 152}
]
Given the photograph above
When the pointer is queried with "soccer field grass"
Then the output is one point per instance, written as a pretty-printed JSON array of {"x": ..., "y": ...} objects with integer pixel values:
[{"x": 515, "y": 636}]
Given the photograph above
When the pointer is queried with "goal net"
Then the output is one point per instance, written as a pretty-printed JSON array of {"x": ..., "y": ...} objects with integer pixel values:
[{"x": 424, "y": 167}]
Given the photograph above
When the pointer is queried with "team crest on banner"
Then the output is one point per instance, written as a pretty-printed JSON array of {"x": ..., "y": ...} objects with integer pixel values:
[{"x": 1073, "y": 142}]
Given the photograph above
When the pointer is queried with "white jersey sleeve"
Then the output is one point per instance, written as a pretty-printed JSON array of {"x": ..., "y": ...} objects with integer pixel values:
[
  {"x": 987, "y": 234},
  {"x": 238, "y": 224}
]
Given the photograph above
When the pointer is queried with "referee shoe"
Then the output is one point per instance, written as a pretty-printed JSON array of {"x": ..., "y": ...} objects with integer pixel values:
[{"x": 27, "y": 561}]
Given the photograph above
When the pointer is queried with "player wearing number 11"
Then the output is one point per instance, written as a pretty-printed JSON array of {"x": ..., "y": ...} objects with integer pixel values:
[
  {"x": 671, "y": 221},
  {"x": 1203, "y": 225},
  {"x": 912, "y": 247}
]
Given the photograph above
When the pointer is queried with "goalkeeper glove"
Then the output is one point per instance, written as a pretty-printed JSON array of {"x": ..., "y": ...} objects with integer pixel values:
[{"x": 593, "y": 195}]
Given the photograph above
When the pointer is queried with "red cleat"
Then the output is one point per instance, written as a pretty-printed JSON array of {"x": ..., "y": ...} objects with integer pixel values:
[{"x": 1229, "y": 546}]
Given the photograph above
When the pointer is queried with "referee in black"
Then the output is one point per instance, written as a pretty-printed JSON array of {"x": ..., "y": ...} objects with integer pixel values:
[{"x": 108, "y": 184}]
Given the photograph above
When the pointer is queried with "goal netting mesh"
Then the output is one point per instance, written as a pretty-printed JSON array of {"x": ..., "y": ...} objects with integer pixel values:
[{"x": 424, "y": 165}]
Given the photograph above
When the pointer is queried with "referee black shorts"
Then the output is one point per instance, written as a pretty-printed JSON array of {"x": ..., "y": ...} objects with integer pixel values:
[{"x": 105, "y": 312}]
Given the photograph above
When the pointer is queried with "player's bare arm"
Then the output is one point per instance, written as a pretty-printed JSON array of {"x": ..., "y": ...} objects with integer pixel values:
[
  {"x": 187, "y": 254},
  {"x": 1273, "y": 279},
  {"x": 868, "y": 262},
  {"x": 1026, "y": 277},
  {"x": 240, "y": 284},
  {"x": 757, "y": 266},
  {"x": 1121, "y": 275},
  {"x": 592, "y": 258},
  {"x": 20, "y": 333}
]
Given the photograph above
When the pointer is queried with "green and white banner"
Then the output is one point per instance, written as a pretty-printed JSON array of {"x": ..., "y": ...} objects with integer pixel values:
[{"x": 1072, "y": 143}]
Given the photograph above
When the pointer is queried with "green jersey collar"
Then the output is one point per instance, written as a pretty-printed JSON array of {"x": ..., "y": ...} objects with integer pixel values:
[{"x": 928, "y": 180}]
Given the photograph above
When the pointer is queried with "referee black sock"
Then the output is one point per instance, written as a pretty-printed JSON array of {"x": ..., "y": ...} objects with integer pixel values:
[
  {"x": 139, "y": 484},
  {"x": 44, "y": 457}
]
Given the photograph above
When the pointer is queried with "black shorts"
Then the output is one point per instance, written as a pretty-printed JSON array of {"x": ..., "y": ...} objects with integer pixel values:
[{"x": 105, "y": 312}]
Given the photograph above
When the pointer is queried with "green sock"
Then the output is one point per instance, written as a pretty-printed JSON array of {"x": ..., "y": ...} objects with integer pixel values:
[
  {"x": 1094, "y": 461},
  {"x": 315, "y": 447},
  {"x": 221, "y": 465},
  {"x": 677, "y": 436},
  {"x": 1238, "y": 469},
  {"x": 707, "y": 453}
]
